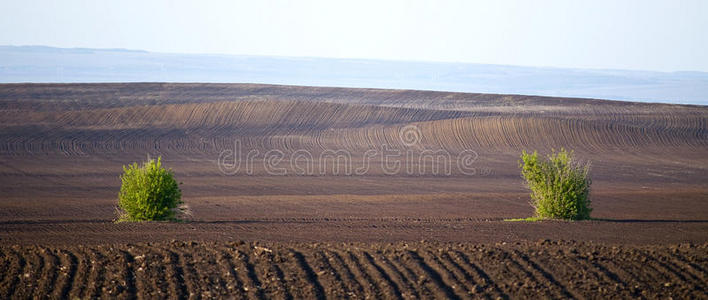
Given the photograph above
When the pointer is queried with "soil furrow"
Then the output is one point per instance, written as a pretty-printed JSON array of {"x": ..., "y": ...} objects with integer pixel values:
[
  {"x": 128, "y": 274},
  {"x": 594, "y": 277},
  {"x": 612, "y": 276},
  {"x": 83, "y": 271},
  {"x": 629, "y": 272},
  {"x": 189, "y": 273},
  {"x": 96, "y": 274},
  {"x": 331, "y": 280},
  {"x": 276, "y": 283},
  {"x": 699, "y": 272},
  {"x": 399, "y": 260},
  {"x": 465, "y": 279},
  {"x": 443, "y": 290},
  {"x": 675, "y": 265},
  {"x": 270, "y": 270},
  {"x": 204, "y": 262},
  {"x": 447, "y": 274},
  {"x": 475, "y": 271},
  {"x": 69, "y": 264},
  {"x": 49, "y": 273},
  {"x": 564, "y": 291},
  {"x": 234, "y": 285},
  {"x": 281, "y": 281},
  {"x": 678, "y": 279},
  {"x": 5, "y": 264},
  {"x": 408, "y": 290},
  {"x": 356, "y": 289},
  {"x": 254, "y": 286},
  {"x": 148, "y": 274},
  {"x": 176, "y": 274},
  {"x": 513, "y": 278},
  {"x": 30, "y": 284},
  {"x": 371, "y": 289},
  {"x": 212, "y": 280},
  {"x": 380, "y": 275},
  {"x": 17, "y": 269},
  {"x": 310, "y": 275}
]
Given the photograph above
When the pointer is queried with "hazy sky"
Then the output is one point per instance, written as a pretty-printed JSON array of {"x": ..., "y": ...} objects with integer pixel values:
[{"x": 666, "y": 35}]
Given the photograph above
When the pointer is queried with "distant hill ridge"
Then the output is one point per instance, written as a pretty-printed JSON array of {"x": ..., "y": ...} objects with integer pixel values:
[{"x": 49, "y": 64}]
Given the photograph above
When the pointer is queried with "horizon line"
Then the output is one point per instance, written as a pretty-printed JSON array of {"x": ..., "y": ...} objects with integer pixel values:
[{"x": 118, "y": 49}]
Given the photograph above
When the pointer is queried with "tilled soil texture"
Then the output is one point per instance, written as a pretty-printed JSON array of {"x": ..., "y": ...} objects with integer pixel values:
[
  {"x": 453, "y": 175},
  {"x": 181, "y": 270}
]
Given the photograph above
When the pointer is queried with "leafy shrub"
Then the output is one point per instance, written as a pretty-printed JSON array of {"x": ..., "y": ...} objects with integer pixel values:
[
  {"x": 148, "y": 193},
  {"x": 559, "y": 185}
]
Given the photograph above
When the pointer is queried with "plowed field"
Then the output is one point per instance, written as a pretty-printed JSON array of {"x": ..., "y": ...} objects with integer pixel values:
[
  {"x": 392, "y": 271},
  {"x": 318, "y": 181}
]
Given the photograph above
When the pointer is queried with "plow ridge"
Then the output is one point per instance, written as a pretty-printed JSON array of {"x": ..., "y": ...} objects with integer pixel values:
[
  {"x": 694, "y": 268},
  {"x": 128, "y": 274},
  {"x": 193, "y": 270},
  {"x": 330, "y": 278},
  {"x": 13, "y": 274},
  {"x": 444, "y": 290},
  {"x": 448, "y": 274},
  {"x": 410, "y": 276},
  {"x": 584, "y": 273},
  {"x": 675, "y": 274},
  {"x": 50, "y": 272},
  {"x": 408, "y": 290},
  {"x": 564, "y": 292},
  {"x": 371, "y": 289},
  {"x": 354, "y": 285},
  {"x": 178, "y": 282},
  {"x": 234, "y": 285},
  {"x": 146, "y": 275},
  {"x": 281, "y": 281},
  {"x": 69, "y": 269},
  {"x": 483, "y": 278},
  {"x": 464, "y": 279},
  {"x": 383, "y": 277},
  {"x": 256, "y": 288},
  {"x": 310, "y": 275},
  {"x": 35, "y": 264},
  {"x": 97, "y": 274},
  {"x": 191, "y": 278},
  {"x": 81, "y": 278}
]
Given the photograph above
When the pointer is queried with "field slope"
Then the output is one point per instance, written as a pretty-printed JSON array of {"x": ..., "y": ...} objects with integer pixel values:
[
  {"x": 62, "y": 147},
  {"x": 308, "y": 192}
]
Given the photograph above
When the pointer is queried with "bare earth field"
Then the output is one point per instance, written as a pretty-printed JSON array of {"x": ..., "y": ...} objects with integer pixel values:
[
  {"x": 181, "y": 270},
  {"x": 357, "y": 192}
]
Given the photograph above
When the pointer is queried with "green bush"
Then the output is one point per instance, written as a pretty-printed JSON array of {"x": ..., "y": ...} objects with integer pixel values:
[
  {"x": 559, "y": 185},
  {"x": 148, "y": 193}
]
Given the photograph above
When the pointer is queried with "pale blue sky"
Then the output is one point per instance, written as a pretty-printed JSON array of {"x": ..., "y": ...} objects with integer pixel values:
[{"x": 667, "y": 35}]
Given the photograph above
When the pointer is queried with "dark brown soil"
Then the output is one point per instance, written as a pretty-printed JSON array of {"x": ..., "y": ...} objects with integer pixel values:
[
  {"x": 62, "y": 147},
  {"x": 181, "y": 270}
]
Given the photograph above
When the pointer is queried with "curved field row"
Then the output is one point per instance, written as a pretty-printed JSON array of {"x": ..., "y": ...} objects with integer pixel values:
[
  {"x": 77, "y": 119},
  {"x": 522, "y": 132},
  {"x": 292, "y": 125},
  {"x": 319, "y": 271},
  {"x": 238, "y": 115},
  {"x": 77, "y": 96}
]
